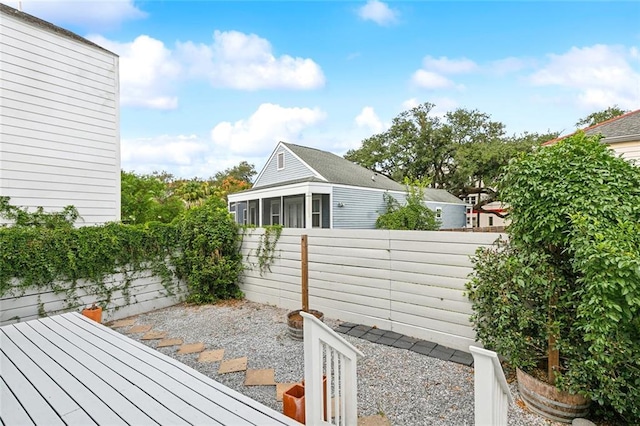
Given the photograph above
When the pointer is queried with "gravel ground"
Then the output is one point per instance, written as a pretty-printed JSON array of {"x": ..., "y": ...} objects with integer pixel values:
[{"x": 406, "y": 387}]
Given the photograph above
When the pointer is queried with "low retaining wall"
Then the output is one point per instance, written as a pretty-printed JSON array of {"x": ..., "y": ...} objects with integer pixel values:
[
  {"x": 412, "y": 282},
  {"x": 143, "y": 293}
]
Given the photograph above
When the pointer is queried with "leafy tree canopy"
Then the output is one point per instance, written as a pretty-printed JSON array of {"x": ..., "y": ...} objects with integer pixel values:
[
  {"x": 242, "y": 172},
  {"x": 464, "y": 151},
  {"x": 600, "y": 116}
]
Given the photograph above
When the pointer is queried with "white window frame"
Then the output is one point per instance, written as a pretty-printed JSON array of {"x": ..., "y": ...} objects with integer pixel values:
[
  {"x": 244, "y": 216},
  {"x": 280, "y": 164},
  {"x": 490, "y": 220},
  {"x": 438, "y": 212},
  {"x": 253, "y": 214},
  {"x": 279, "y": 214},
  {"x": 317, "y": 198}
]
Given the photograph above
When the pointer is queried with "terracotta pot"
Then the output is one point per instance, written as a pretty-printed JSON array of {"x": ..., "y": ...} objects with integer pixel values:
[
  {"x": 546, "y": 400},
  {"x": 295, "y": 322},
  {"x": 293, "y": 403},
  {"x": 324, "y": 390},
  {"x": 94, "y": 313}
]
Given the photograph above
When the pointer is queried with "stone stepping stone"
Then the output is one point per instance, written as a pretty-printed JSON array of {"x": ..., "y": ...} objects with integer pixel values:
[
  {"x": 154, "y": 335},
  {"x": 376, "y": 420},
  {"x": 139, "y": 329},
  {"x": 260, "y": 377},
  {"x": 191, "y": 348},
  {"x": 123, "y": 323},
  {"x": 282, "y": 388},
  {"x": 233, "y": 365},
  {"x": 169, "y": 342},
  {"x": 211, "y": 356}
]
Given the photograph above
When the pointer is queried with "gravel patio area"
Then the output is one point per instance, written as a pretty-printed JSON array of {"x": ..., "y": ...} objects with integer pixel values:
[{"x": 406, "y": 387}]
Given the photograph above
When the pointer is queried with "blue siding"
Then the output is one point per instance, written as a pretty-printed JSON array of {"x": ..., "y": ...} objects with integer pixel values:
[
  {"x": 293, "y": 169},
  {"x": 453, "y": 215},
  {"x": 360, "y": 208}
]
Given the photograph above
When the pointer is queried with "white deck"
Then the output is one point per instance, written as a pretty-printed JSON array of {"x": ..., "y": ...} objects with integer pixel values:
[{"x": 68, "y": 369}]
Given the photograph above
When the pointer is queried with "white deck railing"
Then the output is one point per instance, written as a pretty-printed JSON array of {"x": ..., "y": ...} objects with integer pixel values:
[
  {"x": 492, "y": 394},
  {"x": 327, "y": 354}
]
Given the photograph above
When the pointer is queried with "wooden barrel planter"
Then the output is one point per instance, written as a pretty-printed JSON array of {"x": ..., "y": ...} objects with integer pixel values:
[
  {"x": 295, "y": 322},
  {"x": 547, "y": 401}
]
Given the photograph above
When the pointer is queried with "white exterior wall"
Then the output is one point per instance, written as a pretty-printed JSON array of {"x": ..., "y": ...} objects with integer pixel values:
[
  {"x": 411, "y": 282},
  {"x": 59, "y": 122},
  {"x": 628, "y": 150},
  {"x": 146, "y": 293}
]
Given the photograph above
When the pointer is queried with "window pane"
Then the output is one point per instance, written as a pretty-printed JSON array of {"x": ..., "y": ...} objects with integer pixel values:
[
  {"x": 315, "y": 206},
  {"x": 275, "y": 220},
  {"x": 315, "y": 220}
]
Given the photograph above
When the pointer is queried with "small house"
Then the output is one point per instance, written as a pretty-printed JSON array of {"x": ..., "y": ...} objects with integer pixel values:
[{"x": 302, "y": 187}]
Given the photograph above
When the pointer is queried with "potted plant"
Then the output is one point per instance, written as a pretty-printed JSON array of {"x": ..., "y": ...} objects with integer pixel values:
[
  {"x": 560, "y": 300},
  {"x": 93, "y": 312}
]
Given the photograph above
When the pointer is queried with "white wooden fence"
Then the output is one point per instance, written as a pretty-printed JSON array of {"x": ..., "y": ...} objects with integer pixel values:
[
  {"x": 411, "y": 282},
  {"x": 144, "y": 293},
  {"x": 491, "y": 391},
  {"x": 328, "y": 355}
]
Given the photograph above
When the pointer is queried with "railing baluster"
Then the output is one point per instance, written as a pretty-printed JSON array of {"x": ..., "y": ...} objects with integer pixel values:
[
  {"x": 492, "y": 394},
  {"x": 327, "y": 353}
]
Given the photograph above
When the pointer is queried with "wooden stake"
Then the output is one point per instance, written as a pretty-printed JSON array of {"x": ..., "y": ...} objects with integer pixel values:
[
  {"x": 554, "y": 359},
  {"x": 305, "y": 273}
]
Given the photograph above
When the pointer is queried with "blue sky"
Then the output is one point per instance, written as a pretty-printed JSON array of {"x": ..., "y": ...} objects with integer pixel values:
[{"x": 207, "y": 84}]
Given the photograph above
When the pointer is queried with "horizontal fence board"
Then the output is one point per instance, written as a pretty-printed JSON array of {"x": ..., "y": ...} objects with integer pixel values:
[
  {"x": 145, "y": 292},
  {"x": 431, "y": 258},
  {"x": 431, "y": 269},
  {"x": 432, "y": 302},
  {"x": 412, "y": 282}
]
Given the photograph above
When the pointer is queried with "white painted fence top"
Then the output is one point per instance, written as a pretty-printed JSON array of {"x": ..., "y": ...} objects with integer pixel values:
[{"x": 67, "y": 369}]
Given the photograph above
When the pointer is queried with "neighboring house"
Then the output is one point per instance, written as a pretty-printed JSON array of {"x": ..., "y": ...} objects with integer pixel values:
[
  {"x": 481, "y": 219},
  {"x": 302, "y": 187},
  {"x": 622, "y": 134},
  {"x": 59, "y": 119}
]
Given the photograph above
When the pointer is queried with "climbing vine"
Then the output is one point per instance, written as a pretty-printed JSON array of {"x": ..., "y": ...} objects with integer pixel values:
[
  {"x": 45, "y": 252},
  {"x": 265, "y": 253}
]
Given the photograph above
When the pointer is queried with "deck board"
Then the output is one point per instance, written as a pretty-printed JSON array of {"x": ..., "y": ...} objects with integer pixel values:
[{"x": 68, "y": 369}]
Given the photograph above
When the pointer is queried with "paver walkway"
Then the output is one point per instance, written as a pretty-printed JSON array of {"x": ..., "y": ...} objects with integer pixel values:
[{"x": 397, "y": 340}]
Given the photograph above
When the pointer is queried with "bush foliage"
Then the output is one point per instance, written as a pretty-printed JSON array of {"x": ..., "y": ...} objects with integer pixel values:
[
  {"x": 414, "y": 215},
  {"x": 45, "y": 251},
  {"x": 571, "y": 268}
]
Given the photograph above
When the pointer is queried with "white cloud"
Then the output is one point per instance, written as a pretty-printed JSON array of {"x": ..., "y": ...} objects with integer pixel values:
[
  {"x": 433, "y": 73},
  {"x": 259, "y": 133},
  {"x": 147, "y": 72},
  {"x": 368, "y": 119},
  {"x": 378, "y": 12},
  {"x": 445, "y": 65},
  {"x": 600, "y": 75},
  {"x": 410, "y": 104},
  {"x": 246, "y": 61},
  {"x": 443, "y": 105},
  {"x": 431, "y": 80},
  {"x": 86, "y": 14}
]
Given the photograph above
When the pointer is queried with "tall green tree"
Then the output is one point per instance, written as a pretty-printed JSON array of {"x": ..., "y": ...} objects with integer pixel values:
[
  {"x": 600, "y": 116},
  {"x": 242, "y": 172},
  {"x": 147, "y": 198}
]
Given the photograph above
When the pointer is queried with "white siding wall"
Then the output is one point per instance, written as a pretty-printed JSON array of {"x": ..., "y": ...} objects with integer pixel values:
[
  {"x": 59, "y": 122},
  {"x": 146, "y": 294},
  {"x": 628, "y": 150},
  {"x": 293, "y": 169},
  {"x": 411, "y": 282}
]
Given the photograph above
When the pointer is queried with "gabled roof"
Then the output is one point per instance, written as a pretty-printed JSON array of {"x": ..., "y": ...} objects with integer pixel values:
[
  {"x": 48, "y": 26},
  {"x": 336, "y": 169},
  {"x": 618, "y": 127},
  {"x": 331, "y": 168}
]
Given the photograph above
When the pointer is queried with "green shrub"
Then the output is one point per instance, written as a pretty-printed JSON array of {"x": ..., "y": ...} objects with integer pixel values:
[
  {"x": 414, "y": 215},
  {"x": 45, "y": 251},
  {"x": 571, "y": 269},
  {"x": 209, "y": 257}
]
